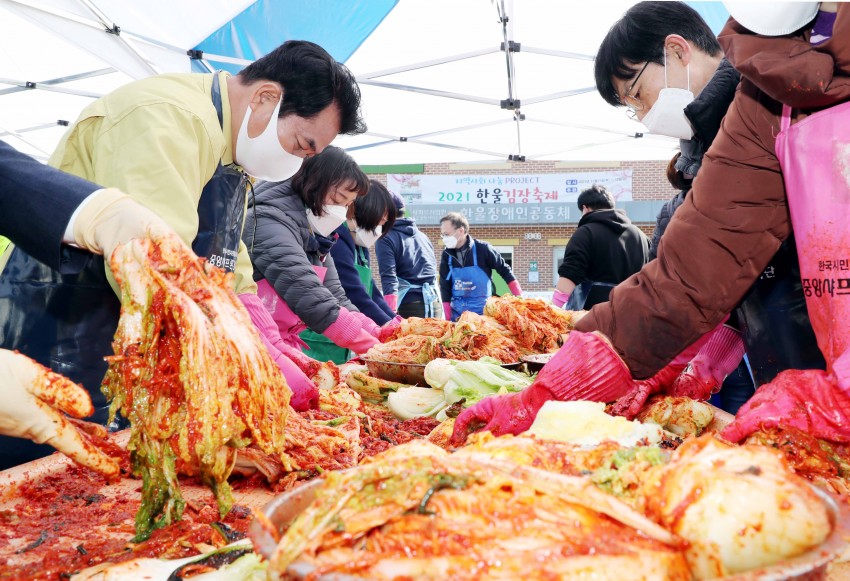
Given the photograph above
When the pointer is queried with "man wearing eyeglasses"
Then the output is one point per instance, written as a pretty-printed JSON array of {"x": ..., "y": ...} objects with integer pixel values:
[{"x": 733, "y": 221}]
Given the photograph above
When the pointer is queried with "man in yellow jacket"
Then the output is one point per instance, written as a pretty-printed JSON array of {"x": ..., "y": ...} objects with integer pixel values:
[{"x": 186, "y": 146}]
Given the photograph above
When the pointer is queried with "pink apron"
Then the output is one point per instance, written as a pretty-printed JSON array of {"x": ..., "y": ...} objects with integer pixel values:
[
  {"x": 815, "y": 159},
  {"x": 289, "y": 324}
]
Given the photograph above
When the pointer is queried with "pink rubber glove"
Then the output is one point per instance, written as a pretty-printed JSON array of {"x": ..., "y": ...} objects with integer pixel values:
[
  {"x": 705, "y": 373},
  {"x": 347, "y": 331},
  {"x": 810, "y": 400},
  {"x": 515, "y": 289},
  {"x": 585, "y": 368},
  {"x": 630, "y": 404},
  {"x": 389, "y": 328},
  {"x": 392, "y": 301},
  {"x": 559, "y": 299},
  {"x": 447, "y": 309},
  {"x": 363, "y": 342},
  {"x": 367, "y": 324},
  {"x": 305, "y": 394}
]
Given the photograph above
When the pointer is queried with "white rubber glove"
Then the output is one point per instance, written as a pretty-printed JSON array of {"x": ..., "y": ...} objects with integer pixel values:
[
  {"x": 31, "y": 394},
  {"x": 109, "y": 218}
]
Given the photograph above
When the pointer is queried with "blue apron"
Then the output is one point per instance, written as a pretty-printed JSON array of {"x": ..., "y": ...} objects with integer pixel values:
[
  {"x": 471, "y": 287},
  {"x": 67, "y": 321},
  {"x": 578, "y": 298},
  {"x": 429, "y": 294}
]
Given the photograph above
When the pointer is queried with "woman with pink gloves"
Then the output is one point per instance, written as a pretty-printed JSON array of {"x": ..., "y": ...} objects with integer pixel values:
[{"x": 289, "y": 233}]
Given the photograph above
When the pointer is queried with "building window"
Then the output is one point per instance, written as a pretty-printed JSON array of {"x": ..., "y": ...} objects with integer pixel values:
[{"x": 557, "y": 260}]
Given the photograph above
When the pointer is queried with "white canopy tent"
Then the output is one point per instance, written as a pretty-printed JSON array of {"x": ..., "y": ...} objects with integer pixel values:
[{"x": 437, "y": 85}]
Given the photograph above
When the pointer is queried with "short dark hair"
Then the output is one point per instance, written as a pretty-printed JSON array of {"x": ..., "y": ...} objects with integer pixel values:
[
  {"x": 676, "y": 178},
  {"x": 331, "y": 168},
  {"x": 596, "y": 197},
  {"x": 370, "y": 209},
  {"x": 312, "y": 80},
  {"x": 457, "y": 219},
  {"x": 639, "y": 37}
]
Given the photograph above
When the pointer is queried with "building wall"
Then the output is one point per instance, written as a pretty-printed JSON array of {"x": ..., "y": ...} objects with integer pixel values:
[{"x": 649, "y": 183}]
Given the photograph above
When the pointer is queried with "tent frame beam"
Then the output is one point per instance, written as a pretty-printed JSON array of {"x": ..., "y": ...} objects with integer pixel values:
[{"x": 51, "y": 84}]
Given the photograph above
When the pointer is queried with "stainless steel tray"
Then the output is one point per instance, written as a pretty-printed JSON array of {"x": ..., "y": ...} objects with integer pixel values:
[{"x": 809, "y": 566}]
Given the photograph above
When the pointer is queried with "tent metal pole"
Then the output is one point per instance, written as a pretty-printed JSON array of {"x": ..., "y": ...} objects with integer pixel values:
[
  {"x": 561, "y": 95},
  {"x": 425, "y": 64},
  {"x": 671, "y": 140},
  {"x": 433, "y": 92},
  {"x": 560, "y": 53},
  {"x": 112, "y": 28},
  {"x": 40, "y": 126},
  {"x": 85, "y": 22},
  {"x": 29, "y": 85},
  {"x": 26, "y": 86},
  {"x": 17, "y": 135},
  {"x": 431, "y": 143},
  {"x": 227, "y": 59}
]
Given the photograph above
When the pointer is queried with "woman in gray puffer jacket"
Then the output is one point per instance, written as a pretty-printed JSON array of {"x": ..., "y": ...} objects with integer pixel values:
[{"x": 288, "y": 231}]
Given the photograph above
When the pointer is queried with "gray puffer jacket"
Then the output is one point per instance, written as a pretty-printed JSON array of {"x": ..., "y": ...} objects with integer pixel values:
[{"x": 283, "y": 251}]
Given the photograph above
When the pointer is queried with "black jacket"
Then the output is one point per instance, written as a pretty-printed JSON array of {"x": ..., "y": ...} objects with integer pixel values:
[
  {"x": 36, "y": 203},
  {"x": 405, "y": 253},
  {"x": 663, "y": 219},
  {"x": 370, "y": 304},
  {"x": 606, "y": 247},
  {"x": 488, "y": 261},
  {"x": 705, "y": 113}
]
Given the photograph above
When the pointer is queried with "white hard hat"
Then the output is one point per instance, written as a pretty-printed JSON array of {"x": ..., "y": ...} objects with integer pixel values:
[{"x": 773, "y": 18}]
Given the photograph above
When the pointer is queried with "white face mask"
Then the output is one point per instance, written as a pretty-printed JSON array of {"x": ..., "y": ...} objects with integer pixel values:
[
  {"x": 450, "y": 241},
  {"x": 366, "y": 238},
  {"x": 262, "y": 156},
  {"x": 331, "y": 218},
  {"x": 667, "y": 115}
]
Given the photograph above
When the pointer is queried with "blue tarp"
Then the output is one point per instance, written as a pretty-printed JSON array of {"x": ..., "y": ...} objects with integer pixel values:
[{"x": 339, "y": 26}]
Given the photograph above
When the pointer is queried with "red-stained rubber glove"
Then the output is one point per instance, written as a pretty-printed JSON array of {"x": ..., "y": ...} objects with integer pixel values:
[
  {"x": 447, "y": 309},
  {"x": 705, "y": 373},
  {"x": 559, "y": 299},
  {"x": 305, "y": 394},
  {"x": 389, "y": 328},
  {"x": 630, "y": 404},
  {"x": 392, "y": 302},
  {"x": 515, "y": 288},
  {"x": 585, "y": 368},
  {"x": 810, "y": 400}
]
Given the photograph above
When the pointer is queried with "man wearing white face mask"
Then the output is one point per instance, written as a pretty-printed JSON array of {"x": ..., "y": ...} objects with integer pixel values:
[
  {"x": 466, "y": 269},
  {"x": 374, "y": 214},
  {"x": 184, "y": 146},
  {"x": 778, "y": 333}
]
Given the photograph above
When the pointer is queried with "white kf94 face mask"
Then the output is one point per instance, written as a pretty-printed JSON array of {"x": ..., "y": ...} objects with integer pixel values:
[
  {"x": 667, "y": 115},
  {"x": 450, "y": 242},
  {"x": 331, "y": 218},
  {"x": 262, "y": 156},
  {"x": 366, "y": 238}
]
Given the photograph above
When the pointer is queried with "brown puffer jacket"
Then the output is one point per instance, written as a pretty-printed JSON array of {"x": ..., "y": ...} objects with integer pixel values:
[{"x": 736, "y": 215}]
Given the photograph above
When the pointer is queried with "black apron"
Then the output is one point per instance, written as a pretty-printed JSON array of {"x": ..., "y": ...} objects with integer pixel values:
[
  {"x": 775, "y": 322},
  {"x": 67, "y": 321},
  {"x": 588, "y": 293}
]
